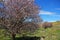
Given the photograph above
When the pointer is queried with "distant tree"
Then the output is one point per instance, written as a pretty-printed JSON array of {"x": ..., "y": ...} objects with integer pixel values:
[
  {"x": 19, "y": 15},
  {"x": 58, "y": 21},
  {"x": 47, "y": 25}
]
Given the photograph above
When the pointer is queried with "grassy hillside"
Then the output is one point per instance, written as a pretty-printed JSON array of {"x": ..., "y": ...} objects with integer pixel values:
[
  {"x": 49, "y": 33},
  {"x": 56, "y": 23}
]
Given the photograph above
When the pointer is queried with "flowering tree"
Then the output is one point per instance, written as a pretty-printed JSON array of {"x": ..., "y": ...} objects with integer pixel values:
[{"x": 19, "y": 16}]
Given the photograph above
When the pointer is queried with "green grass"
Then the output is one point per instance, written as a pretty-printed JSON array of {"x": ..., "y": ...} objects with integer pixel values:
[
  {"x": 3, "y": 35},
  {"x": 49, "y": 33}
]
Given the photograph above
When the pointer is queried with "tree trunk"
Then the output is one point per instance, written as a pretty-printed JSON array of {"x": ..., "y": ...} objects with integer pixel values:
[{"x": 13, "y": 36}]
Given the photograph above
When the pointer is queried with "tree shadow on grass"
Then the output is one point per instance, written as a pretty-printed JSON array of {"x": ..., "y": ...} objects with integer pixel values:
[{"x": 28, "y": 38}]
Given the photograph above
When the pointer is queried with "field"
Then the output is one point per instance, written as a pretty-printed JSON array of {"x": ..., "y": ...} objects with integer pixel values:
[{"x": 49, "y": 33}]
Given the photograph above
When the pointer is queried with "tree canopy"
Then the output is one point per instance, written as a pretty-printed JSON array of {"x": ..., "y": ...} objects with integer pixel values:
[{"x": 16, "y": 14}]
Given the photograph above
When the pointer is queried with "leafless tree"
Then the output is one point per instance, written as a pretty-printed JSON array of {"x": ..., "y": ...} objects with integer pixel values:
[{"x": 19, "y": 15}]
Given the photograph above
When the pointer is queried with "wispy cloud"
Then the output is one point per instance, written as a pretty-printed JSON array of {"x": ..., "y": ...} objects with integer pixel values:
[
  {"x": 49, "y": 16},
  {"x": 46, "y": 12}
]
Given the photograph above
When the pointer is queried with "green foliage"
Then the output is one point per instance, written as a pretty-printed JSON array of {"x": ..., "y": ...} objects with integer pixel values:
[
  {"x": 49, "y": 33},
  {"x": 3, "y": 35}
]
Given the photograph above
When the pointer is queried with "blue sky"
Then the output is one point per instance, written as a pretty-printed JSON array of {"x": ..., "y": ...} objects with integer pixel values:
[{"x": 50, "y": 9}]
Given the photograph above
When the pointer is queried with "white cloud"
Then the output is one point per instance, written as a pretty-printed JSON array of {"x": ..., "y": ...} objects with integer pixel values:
[
  {"x": 52, "y": 21},
  {"x": 46, "y": 12},
  {"x": 49, "y": 13}
]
